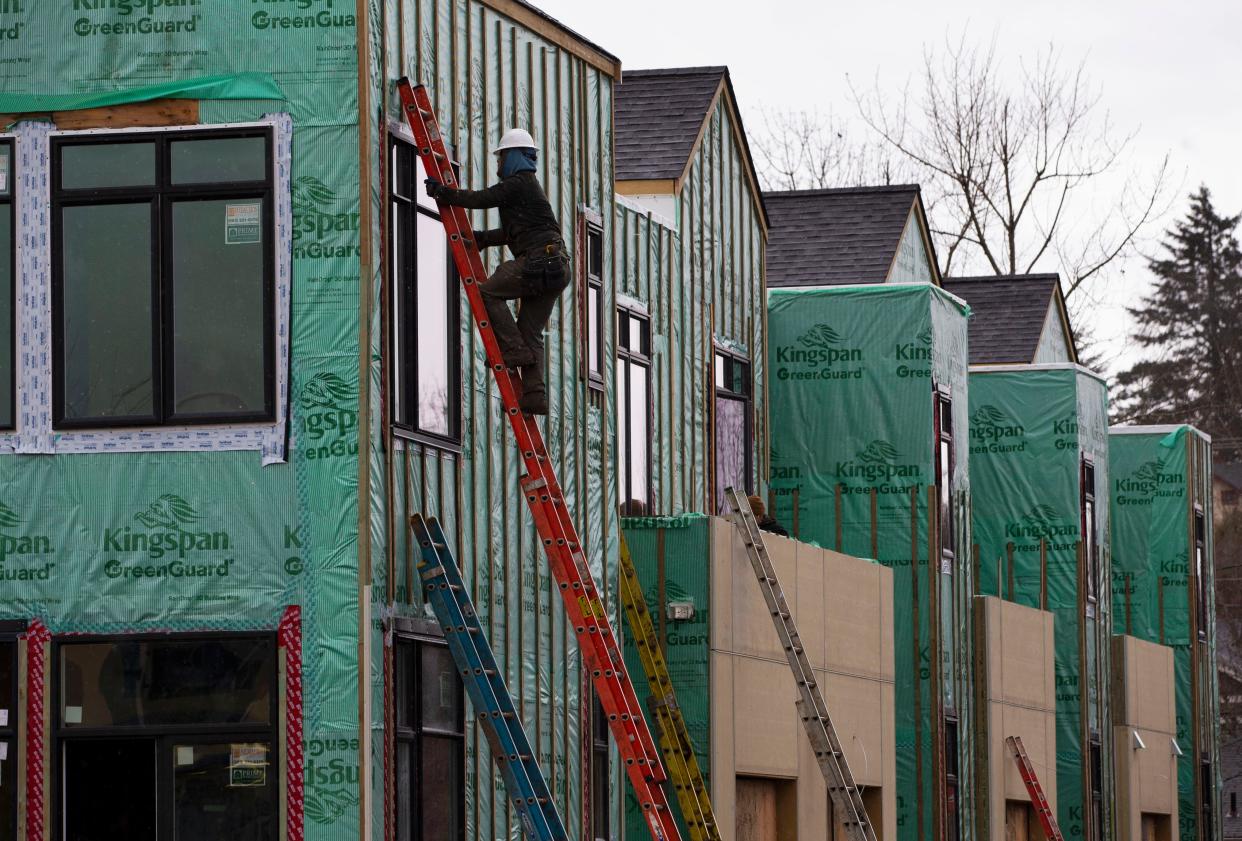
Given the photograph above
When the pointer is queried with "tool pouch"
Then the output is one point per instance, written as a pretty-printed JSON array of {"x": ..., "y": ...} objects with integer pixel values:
[{"x": 545, "y": 269}]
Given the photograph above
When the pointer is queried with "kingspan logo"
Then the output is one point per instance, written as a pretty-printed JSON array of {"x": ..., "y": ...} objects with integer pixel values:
[
  {"x": 317, "y": 14},
  {"x": 879, "y": 464},
  {"x": 329, "y": 416},
  {"x": 993, "y": 431},
  {"x": 919, "y": 350},
  {"x": 14, "y": 31},
  {"x": 318, "y": 227},
  {"x": 168, "y": 529},
  {"x": 14, "y": 544},
  {"x": 819, "y": 349},
  {"x": 1148, "y": 482},
  {"x": 1041, "y": 522},
  {"x": 135, "y": 17}
]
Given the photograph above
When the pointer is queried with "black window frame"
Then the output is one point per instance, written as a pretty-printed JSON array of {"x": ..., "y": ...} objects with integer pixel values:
[
  {"x": 952, "y": 781},
  {"x": 165, "y": 735},
  {"x": 413, "y": 636},
  {"x": 1096, "y": 757},
  {"x": 1088, "y": 519},
  {"x": 593, "y": 283},
  {"x": 943, "y": 435},
  {"x": 627, "y": 358},
  {"x": 600, "y": 780},
  {"x": 1207, "y": 812},
  {"x": 1200, "y": 561},
  {"x": 9, "y": 198},
  {"x": 10, "y": 731},
  {"x": 725, "y": 365},
  {"x": 162, "y": 195}
]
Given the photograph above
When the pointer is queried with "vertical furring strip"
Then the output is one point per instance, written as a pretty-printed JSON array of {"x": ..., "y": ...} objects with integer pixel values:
[
  {"x": 290, "y": 636},
  {"x": 37, "y": 639}
]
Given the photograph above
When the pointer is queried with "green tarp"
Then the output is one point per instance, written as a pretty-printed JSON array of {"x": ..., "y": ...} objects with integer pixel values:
[
  {"x": 1031, "y": 427},
  {"x": 853, "y": 375},
  {"x": 1159, "y": 475},
  {"x": 234, "y": 86}
]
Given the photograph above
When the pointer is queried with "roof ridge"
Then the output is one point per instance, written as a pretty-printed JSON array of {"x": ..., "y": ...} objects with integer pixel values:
[
  {"x": 702, "y": 70},
  {"x": 832, "y": 191},
  {"x": 984, "y": 278}
]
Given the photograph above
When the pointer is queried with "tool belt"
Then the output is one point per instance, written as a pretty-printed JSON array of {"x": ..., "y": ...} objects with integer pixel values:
[{"x": 546, "y": 266}]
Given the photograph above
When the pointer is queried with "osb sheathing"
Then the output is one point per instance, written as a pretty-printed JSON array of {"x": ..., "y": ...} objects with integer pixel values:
[
  {"x": 1143, "y": 706},
  {"x": 1016, "y": 685},
  {"x": 843, "y": 608}
]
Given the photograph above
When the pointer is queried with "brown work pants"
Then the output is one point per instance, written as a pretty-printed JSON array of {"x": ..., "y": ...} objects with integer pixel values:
[{"x": 509, "y": 283}]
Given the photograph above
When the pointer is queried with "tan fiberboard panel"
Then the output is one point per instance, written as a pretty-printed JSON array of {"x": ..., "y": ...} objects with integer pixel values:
[
  {"x": 1020, "y": 696},
  {"x": 1144, "y": 711},
  {"x": 844, "y": 612}
]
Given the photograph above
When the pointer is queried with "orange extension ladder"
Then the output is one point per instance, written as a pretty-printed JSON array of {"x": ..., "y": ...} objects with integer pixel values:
[
  {"x": 1027, "y": 771},
  {"x": 596, "y": 639}
]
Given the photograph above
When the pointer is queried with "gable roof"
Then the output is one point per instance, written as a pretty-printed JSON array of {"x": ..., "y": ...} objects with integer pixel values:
[
  {"x": 1228, "y": 472},
  {"x": 660, "y": 119},
  {"x": 532, "y": 17},
  {"x": 1008, "y": 314},
  {"x": 838, "y": 236}
]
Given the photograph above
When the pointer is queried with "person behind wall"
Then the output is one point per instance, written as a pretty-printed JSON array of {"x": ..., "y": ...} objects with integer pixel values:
[
  {"x": 765, "y": 522},
  {"x": 539, "y": 270}
]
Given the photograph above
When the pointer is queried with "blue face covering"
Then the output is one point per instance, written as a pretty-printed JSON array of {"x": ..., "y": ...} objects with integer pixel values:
[{"x": 514, "y": 161}]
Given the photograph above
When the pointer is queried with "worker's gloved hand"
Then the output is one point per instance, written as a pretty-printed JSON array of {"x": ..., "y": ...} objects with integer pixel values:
[{"x": 433, "y": 187}]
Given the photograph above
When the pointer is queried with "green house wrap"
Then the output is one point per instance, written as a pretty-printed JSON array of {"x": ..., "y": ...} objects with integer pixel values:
[
  {"x": 868, "y": 400},
  {"x": 1039, "y": 475},
  {"x": 1163, "y": 566}
]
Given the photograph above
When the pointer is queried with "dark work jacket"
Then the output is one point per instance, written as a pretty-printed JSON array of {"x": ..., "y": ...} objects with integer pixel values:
[
  {"x": 769, "y": 524},
  {"x": 526, "y": 219}
]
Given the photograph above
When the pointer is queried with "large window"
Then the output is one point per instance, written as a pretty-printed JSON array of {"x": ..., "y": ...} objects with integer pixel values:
[
  {"x": 1090, "y": 549},
  {"x": 593, "y": 317},
  {"x": 1207, "y": 813},
  {"x": 1097, "y": 790},
  {"x": 426, "y": 342},
  {"x": 733, "y": 450},
  {"x": 945, "y": 464},
  {"x": 430, "y": 737},
  {"x": 8, "y": 290},
  {"x": 167, "y": 739},
  {"x": 634, "y": 410},
  {"x": 952, "y": 817},
  {"x": 162, "y": 278},
  {"x": 1201, "y": 574},
  {"x": 600, "y": 780},
  {"x": 9, "y": 721}
]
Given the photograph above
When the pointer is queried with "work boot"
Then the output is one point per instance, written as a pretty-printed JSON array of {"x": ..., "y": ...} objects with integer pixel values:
[
  {"x": 519, "y": 357},
  {"x": 534, "y": 401}
]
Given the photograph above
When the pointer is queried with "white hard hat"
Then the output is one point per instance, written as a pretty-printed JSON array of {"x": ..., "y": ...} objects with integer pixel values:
[{"x": 516, "y": 138}]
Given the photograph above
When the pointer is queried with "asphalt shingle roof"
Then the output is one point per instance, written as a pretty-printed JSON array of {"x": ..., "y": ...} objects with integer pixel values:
[
  {"x": 658, "y": 117},
  {"x": 1228, "y": 472},
  {"x": 836, "y": 236},
  {"x": 1007, "y": 314}
]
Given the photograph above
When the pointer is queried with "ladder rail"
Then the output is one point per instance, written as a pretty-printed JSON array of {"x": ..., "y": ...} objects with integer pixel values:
[
  {"x": 597, "y": 641},
  {"x": 480, "y": 674},
  {"x": 812, "y": 708},
  {"x": 675, "y": 742},
  {"x": 1047, "y": 818}
]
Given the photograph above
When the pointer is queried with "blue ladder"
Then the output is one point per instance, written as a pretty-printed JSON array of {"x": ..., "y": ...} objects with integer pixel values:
[{"x": 480, "y": 674}]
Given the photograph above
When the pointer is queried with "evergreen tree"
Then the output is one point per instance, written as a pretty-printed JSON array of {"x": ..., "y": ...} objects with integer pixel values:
[{"x": 1190, "y": 328}]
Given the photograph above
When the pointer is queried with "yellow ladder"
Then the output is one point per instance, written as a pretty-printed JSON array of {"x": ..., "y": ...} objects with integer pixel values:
[{"x": 679, "y": 759}]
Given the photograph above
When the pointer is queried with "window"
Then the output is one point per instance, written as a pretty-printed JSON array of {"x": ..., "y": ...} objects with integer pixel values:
[
  {"x": 945, "y": 463},
  {"x": 593, "y": 328},
  {"x": 167, "y": 738},
  {"x": 1233, "y": 804},
  {"x": 1090, "y": 551},
  {"x": 951, "y": 816},
  {"x": 9, "y": 719},
  {"x": 8, "y": 289},
  {"x": 634, "y": 411},
  {"x": 430, "y": 742},
  {"x": 1097, "y": 790},
  {"x": 1201, "y": 585},
  {"x": 733, "y": 450},
  {"x": 162, "y": 278},
  {"x": 426, "y": 312},
  {"x": 1207, "y": 785},
  {"x": 600, "y": 788}
]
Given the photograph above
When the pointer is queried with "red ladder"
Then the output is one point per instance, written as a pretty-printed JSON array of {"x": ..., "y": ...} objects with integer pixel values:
[
  {"x": 566, "y": 560},
  {"x": 1027, "y": 771}
]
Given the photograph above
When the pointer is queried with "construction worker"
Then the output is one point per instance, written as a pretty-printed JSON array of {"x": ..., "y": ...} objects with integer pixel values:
[
  {"x": 539, "y": 270},
  {"x": 762, "y": 519}
]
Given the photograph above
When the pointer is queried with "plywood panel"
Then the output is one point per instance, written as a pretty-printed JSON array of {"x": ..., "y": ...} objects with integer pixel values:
[
  {"x": 766, "y": 725},
  {"x": 811, "y": 604},
  {"x": 756, "y": 810},
  {"x": 854, "y": 596},
  {"x": 724, "y": 544},
  {"x": 857, "y": 709}
]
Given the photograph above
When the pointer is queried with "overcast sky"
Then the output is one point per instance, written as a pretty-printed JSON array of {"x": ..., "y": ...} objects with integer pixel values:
[{"x": 1171, "y": 70}]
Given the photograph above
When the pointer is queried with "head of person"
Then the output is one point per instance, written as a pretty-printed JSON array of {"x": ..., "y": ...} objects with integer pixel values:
[
  {"x": 756, "y": 507},
  {"x": 516, "y": 153}
]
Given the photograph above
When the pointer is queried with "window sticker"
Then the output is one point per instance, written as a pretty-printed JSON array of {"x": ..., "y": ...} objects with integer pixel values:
[
  {"x": 73, "y": 715},
  {"x": 241, "y": 223},
  {"x": 4, "y": 718},
  {"x": 4, "y": 172},
  {"x": 247, "y": 765},
  {"x": 185, "y": 754}
]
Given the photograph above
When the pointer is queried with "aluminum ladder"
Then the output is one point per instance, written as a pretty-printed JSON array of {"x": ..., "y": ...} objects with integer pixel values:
[
  {"x": 1047, "y": 819},
  {"x": 683, "y": 766},
  {"x": 597, "y": 642},
  {"x": 846, "y": 800},
  {"x": 481, "y": 677}
]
